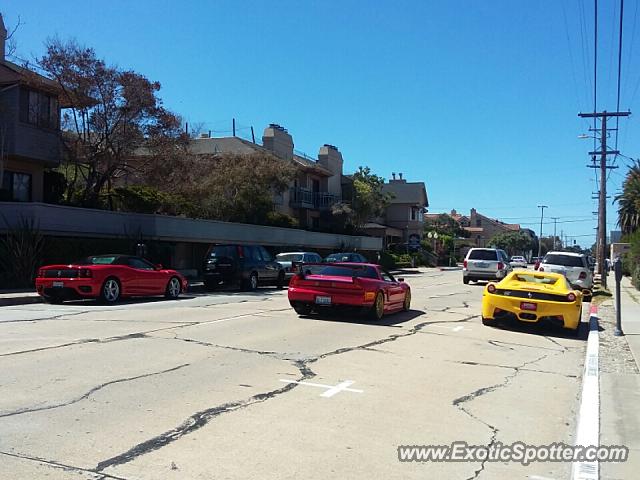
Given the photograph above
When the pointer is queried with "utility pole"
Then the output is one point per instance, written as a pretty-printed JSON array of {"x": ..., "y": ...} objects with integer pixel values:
[
  {"x": 602, "y": 194},
  {"x": 541, "y": 207},
  {"x": 555, "y": 221}
]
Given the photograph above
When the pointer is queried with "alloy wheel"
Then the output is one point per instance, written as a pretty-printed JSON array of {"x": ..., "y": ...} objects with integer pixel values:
[
  {"x": 111, "y": 290},
  {"x": 174, "y": 288}
]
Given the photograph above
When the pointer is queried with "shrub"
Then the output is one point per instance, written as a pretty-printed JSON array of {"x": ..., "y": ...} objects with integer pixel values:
[
  {"x": 21, "y": 252},
  {"x": 635, "y": 278},
  {"x": 277, "y": 219}
]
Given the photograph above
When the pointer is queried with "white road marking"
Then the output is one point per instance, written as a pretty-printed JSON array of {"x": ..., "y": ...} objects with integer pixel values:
[
  {"x": 457, "y": 328},
  {"x": 331, "y": 389},
  {"x": 588, "y": 430}
]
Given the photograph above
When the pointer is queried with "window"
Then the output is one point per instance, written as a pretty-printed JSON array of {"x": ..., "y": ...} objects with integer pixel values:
[
  {"x": 564, "y": 260},
  {"x": 478, "y": 222},
  {"x": 38, "y": 108},
  {"x": 266, "y": 256},
  {"x": 479, "y": 254},
  {"x": 140, "y": 264},
  {"x": 416, "y": 214},
  {"x": 18, "y": 185},
  {"x": 386, "y": 276}
]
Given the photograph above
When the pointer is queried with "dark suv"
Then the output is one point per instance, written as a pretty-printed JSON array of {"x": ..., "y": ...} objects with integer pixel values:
[{"x": 242, "y": 266}]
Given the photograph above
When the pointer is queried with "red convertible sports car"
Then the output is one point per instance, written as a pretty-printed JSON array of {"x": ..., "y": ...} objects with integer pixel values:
[
  {"x": 108, "y": 277},
  {"x": 362, "y": 285}
]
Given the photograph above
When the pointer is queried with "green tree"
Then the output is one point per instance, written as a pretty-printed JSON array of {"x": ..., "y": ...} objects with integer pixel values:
[
  {"x": 445, "y": 224},
  {"x": 512, "y": 242},
  {"x": 369, "y": 201},
  {"x": 629, "y": 200}
]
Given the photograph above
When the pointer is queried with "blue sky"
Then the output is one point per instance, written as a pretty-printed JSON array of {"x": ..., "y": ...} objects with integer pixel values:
[{"x": 478, "y": 99}]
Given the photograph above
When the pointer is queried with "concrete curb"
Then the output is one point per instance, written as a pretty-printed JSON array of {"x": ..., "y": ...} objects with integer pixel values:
[
  {"x": 588, "y": 425},
  {"x": 20, "y": 300}
]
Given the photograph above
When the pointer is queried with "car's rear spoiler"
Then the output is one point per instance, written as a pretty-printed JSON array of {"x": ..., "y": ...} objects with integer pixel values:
[{"x": 303, "y": 266}]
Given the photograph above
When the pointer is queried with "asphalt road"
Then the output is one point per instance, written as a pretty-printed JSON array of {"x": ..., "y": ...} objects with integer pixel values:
[{"x": 202, "y": 388}]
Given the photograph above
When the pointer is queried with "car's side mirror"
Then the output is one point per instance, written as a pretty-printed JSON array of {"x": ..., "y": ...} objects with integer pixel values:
[
  {"x": 158, "y": 266},
  {"x": 401, "y": 279}
]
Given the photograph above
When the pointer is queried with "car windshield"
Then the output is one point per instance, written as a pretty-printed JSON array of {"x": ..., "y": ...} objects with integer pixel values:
[
  {"x": 289, "y": 257},
  {"x": 346, "y": 271},
  {"x": 338, "y": 257},
  {"x": 533, "y": 278},
  {"x": 98, "y": 260},
  {"x": 483, "y": 255},
  {"x": 564, "y": 260}
]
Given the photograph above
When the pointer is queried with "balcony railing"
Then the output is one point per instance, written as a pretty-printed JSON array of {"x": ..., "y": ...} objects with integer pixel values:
[{"x": 307, "y": 198}]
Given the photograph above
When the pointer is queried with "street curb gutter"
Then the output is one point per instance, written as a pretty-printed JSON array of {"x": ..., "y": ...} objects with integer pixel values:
[{"x": 588, "y": 429}]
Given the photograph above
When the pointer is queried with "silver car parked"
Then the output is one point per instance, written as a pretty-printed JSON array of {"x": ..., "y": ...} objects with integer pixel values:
[{"x": 485, "y": 264}]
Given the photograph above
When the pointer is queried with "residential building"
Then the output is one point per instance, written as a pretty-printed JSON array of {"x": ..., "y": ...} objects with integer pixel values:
[
  {"x": 317, "y": 184},
  {"x": 29, "y": 129},
  {"x": 403, "y": 218}
]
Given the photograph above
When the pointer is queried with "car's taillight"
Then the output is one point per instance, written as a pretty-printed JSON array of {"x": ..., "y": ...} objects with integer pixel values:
[
  {"x": 571, "y": 297},
  {"x": 85, "y": 273},
  {"x": 293, "y": 281},
  {"x": 240, "y": 252},
  {"x": 491, "y": 288},
  {"x": 582, "y": 276},
  {"x": 500, "y": 265},
  {"x": 464, "y": 264},
  {"x": 40, "y": 273},
  {"x": 540, "y": 269}
]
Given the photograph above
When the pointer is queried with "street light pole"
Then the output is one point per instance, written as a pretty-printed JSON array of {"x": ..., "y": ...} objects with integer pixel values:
[
  {"x": 555, "y": 220},
  {"x": 541, "y": 207}
]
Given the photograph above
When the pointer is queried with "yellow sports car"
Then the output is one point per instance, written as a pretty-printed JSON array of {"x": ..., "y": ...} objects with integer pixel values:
[{"x": 531, "y": 296}]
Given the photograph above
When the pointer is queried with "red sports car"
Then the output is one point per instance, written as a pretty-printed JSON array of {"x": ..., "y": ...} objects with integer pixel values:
[
  {"x": 362, "y": 285},
  {"x": 108, "y": 277}
]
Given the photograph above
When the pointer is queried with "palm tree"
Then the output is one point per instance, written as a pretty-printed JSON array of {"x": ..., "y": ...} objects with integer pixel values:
[{"x": 629, "y": 200}]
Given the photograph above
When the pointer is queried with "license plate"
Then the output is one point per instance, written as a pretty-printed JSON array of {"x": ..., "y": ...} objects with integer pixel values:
[
  {"x": 323, "y": 300},
  {"x": 58, "y": 284},
  {"x": 482, "y": 265},
  {"x": 528, "y": 306}
]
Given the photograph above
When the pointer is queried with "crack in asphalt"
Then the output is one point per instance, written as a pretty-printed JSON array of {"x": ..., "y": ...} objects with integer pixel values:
[
  {"x": 460, "y": 401},
  {"x": 201, "y": 418},
  {"x": 462, "y": 362},
  {"x": 91, "y": 392},
  {"x": 62, "y": 466},
  {"x": 501, "y": 344}
]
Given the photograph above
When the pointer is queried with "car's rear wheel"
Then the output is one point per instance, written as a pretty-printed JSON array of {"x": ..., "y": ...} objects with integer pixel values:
[
  {"x": 302, "y": 308},
  {"x": 281, "y": 281},
  {"x": 377, "y": 310},
  {"x": 173, "y": 288},
  {"x": 110, "y": 292},
  {"x": 52, "y": 300},
  {"x": 488, "y": 321},
  {"x": 406, "y": 306},
  {"x": 465, "y": 280},
  {"x": 210, "y": 285}
]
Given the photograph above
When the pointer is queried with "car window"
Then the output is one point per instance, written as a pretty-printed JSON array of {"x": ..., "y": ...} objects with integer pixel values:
[
  {"x": 340, "y": 271},
  {"x": 483, "y": 255},
  {"x": 564, "y": 260},
  {"x": 98, "y": 260},
  {"x": 386, "y": 276},
  {"x": 535, "y": 278},
  {"x": 139, "y": 263},
  {"x": 266, "y": 256},
  {"x": 251, "y": 252},
  {"x": 228, "y": 251},
  {"x": 290, "y": 257}
]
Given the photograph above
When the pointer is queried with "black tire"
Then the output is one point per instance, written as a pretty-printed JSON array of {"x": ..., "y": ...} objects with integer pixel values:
[
  {"x": 110, "y": 290},
  {"x": 465, "y": 280},
  {"x": 489, "y": 322},
  {"x": 406, "y": 305},
  {"x": 251, "y": 283},
  {"x": 281, "y": 281},
  {"x": 587, "y": 298},
  {"x": 210, "y": 285},
  {"x": 302, "y": 308},
  {"x": 52, "y": 300},
  {"x": 377, "y": 310},
  {"x": 174, "y": 288}
]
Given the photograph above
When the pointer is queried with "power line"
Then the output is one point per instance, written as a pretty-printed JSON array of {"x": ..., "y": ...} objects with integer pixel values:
[{"x": 619, "y": 76}]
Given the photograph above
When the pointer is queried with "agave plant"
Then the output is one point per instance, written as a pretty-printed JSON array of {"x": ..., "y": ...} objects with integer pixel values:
[{"x": 22, "y": 247}]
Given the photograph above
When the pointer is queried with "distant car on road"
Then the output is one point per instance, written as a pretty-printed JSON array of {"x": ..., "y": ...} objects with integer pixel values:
[
  {"x": 345, "y": 257},
  {"x": 365, "y": 286},
  {"x": 108, "y": 277},
  {"x": 518, "y": 261},
  {"x": 291, "y": 261},
  {"x": 533, "y": 297},
  {"x": 242, "y": 266},
  {"x": 485, "y": 264},
  {"x": 574, "y": 266}
]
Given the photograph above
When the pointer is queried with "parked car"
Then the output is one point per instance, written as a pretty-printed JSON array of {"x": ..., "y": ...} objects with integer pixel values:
[
  {"x": 518, "y": 261},
  {"x": 242, "y": 266},
  {"x": 291, "y": 261},
  {"x": 574, "y": 266},
  {"x": 345, "y": 257},
  {"x": 533, "y": 297},
  {"x": 108, "y": 277},
  {"x": 365, "y": 286},
  {"x": 485, "y": 264}
]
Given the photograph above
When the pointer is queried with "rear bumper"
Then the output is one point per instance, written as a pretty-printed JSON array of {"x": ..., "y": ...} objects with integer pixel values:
[
  {"x": 309, "y": 295},
  {"x": 497, "y": 306},
  {"x": 475, "y": 275}
]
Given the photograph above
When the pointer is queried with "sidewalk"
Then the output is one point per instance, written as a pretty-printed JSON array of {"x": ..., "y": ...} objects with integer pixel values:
[
  {"x": 19, "y": 297},
  {"x": 620, "y": 380}
]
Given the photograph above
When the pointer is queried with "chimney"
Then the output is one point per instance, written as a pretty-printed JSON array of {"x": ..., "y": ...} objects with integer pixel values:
[
  {"x": 393, "y": 174},
  {"x": 453, "y": 212},
  {"x": 330, "y": 158},
  {"x": 3, "y": 38},
  {"x": 276, "y": 139},
  {"x": 400, "y": 175}
]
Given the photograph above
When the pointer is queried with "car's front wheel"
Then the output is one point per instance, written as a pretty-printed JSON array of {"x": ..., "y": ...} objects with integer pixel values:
[
  {"x": 488, "y": 321},
  {"x": 173, "y": 288},
  {"x": 110, "y": 292},
  {"x": 281, "y": 281}
]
